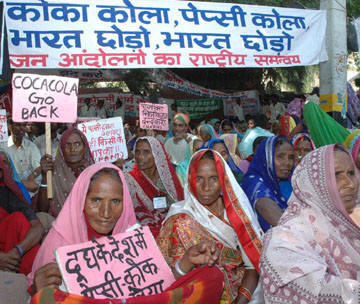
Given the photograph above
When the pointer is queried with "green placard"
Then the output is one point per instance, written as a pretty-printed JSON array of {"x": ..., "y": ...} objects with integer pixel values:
[{"x": 199, "y": 108}]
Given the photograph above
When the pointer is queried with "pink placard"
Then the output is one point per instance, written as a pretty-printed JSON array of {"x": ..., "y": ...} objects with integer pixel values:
[
  {"x": 118, "y": 267},
  {"x": 154, "y": 116},
  {"x": 44, "y": 98}
]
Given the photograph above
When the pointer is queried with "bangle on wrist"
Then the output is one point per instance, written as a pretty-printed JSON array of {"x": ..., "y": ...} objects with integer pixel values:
[
  {"x": 19, "y": 249},
  {"x": 43, "y": 185},
  {"x": 245, "y": 292},
  {"x": 178, "y": 269}
]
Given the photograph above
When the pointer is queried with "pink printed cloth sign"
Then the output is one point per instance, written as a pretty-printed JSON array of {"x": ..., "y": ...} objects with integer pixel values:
[
  {"x": 106, "y": 139},
  {"x": 44, "y": 98},
  {"x": 3, "y": 126},
  {"x": 154, "y": 116},
  {"x": 118, "y": 266}
]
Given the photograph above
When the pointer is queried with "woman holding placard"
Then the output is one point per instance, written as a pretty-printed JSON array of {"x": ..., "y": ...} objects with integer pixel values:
[
  {"x": 100, "y": 205},
  {"x": 153, "y": 183},
  {"x": 71, "y": 159}
]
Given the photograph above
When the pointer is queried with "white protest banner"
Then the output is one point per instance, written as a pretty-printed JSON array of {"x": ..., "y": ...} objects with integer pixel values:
[
  {"x": 249, "y": 102},
  {"x": 154, "y": 116},
  {"x": 131, "y": 102},
  {"x": 106, "y": 139},
  {"x": 119, "y": 266},
  {"x": 43, "y": 98},
  {"x": 3, "y": 126},
  {"x": 73, "y": 34}
]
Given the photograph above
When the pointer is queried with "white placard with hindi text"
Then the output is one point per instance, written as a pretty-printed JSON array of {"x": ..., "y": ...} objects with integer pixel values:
[
  {"x": 3, "y": 126},
  {"x": 106, "y": 139}
]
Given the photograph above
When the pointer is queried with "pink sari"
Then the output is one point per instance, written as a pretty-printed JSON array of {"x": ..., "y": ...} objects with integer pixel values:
[{"x": 313, "y": 255}]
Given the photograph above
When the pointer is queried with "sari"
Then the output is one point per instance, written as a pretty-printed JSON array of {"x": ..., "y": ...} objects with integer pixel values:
[
  {"x": 295, "y": 108},
  {"x": 352, "y": 142},
  {"x": 143, "y": 190},
  {"x": 324, "y": 130},
  {"x": 203, "y": 286},
  {"x": 313, "y": 254},
  {"x": 181, "y": 169},
  {"x": 298, "y": 138},
  {"x": 65, "y": 175},
  {"x": 17, "y": 179},
  {"x": 287, "y": 124},
  {"x": 246, "y": 144},
  {"x": 70, "y": 226},
  {"x": 238, "y": 236},
  {"x": 15, "y": 217},
  {"x": 261, "y": 181},
  {"x": 234, "y": 130}
]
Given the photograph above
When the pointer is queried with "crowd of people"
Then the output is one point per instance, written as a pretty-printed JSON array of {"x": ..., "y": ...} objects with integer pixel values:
[{"x": 272, "y": 199}]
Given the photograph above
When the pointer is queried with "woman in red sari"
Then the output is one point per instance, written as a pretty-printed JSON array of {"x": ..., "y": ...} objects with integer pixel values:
[
  {"x": 216, "y": 210},
  {"x": 20, "y": 229},
  {"x": 153, "y": 183}
]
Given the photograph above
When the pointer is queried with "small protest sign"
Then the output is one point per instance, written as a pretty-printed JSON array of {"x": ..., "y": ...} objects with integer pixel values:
[
  {"x": 44, "y": 98},
  {"x": 154, "y": 116},
  {"x": 106, "y": 139},
  {"x": 3, "y": 126},
  {"x": 117, "y": 266}
]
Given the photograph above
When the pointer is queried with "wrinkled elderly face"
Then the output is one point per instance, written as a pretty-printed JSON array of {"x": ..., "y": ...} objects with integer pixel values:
[
  {"x": 74, "y": 149},
  {"x": 284, "y": 160},
  {"x": 346, "y": 180},
  {"x": 104, "y": 203}
]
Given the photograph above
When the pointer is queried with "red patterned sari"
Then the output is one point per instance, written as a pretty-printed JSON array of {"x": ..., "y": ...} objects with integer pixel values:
[
  {"x": 143, "y": 190},
  {"x": 237, "y": 235}
]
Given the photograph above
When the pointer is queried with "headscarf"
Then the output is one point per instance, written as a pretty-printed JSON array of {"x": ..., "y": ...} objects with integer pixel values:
[
  {"x": 65, "y": 175},
  {"x": 244, "y": 226},
  {"x": 214, "y": 121},
  {"x": 313, "y": 254},
  {"x": 70, "y": 226},
  {"x": 352, "y": 142},
  {"x": 324, "y": 130},
  {"x": 182, "y": 117},
  {"x": 295, "y": 107},
  {"x": 15, "y": 176},
  {"x": 287, "y": 124},
  {"x": 142, "y": 189},
  {"x": 211, "y": 129},
  {"x": 261, "y": 179},
  {"x": 299, "y": 136},
  {"x": 246, "y": 144},
  {"x": 10, "y": 183},
  {"x": 234, "y": 130},
  {"x": 210, "y": 144}
]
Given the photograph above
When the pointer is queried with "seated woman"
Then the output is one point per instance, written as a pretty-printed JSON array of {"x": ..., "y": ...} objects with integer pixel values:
[
  {"x": 303, "y": 145},
  {"x": 15, "y": 176},
  {"x": 181, "y": 169},
  {"x": 71, "y": 159},
  {"x": 207, "y": 132},
  {"x": 228, "y": 127},
  {"x": 313, "y": 255},
  {"x": 219, "y": 146},
  {"x": 20, "y": 229},
  {"x": 215, "y": 210},
  {"x": 99, "y": 205},
  {"x": 153, "y": 183},
  {"x": 267, "y": 181}
]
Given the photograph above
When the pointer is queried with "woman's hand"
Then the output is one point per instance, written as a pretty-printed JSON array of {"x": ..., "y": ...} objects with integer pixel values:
[
  {"x": 203, "y": 253},
  {"x": 48, "y": 275},
  {"x": 10, "y": 261},
  {"x": 46, "y": 163}
]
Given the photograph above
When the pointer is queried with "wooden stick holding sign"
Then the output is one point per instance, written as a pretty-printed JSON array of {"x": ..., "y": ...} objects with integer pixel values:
[
  {"x": 48, "y": 151},
  {"x": 44, "y": 98}
]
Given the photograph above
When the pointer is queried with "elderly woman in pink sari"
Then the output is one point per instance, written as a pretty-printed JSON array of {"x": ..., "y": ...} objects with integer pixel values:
[{"x": 313, "y": 254}]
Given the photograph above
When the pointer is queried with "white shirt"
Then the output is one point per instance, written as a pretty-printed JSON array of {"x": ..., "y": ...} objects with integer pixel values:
[
  {"x": 26, "y": 158},
  {"x": 85, "y": 112},
  {"x": 101, "y": 113},
  {"x": 120, "y": 112},
  {"x": 176, "y": 152},
  {"x": 239, "y": 112},
  {"x": 40, "y": 142}
]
